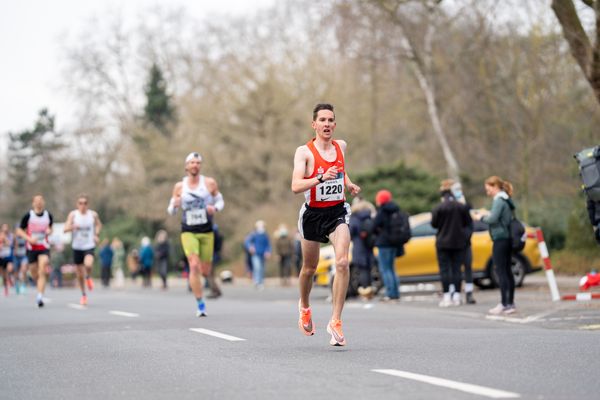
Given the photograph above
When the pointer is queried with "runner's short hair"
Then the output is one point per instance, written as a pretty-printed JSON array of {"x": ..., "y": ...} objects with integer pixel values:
[{"x": 322, "y": 106}]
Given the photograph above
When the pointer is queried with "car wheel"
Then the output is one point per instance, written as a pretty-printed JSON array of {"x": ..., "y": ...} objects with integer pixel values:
[
  {"x": 484, "y": 283},
  {"x": 518, "y": 268}
]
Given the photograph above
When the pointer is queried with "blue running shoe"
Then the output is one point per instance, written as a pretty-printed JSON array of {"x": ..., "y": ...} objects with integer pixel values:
[{"x": 201, "y": 312}]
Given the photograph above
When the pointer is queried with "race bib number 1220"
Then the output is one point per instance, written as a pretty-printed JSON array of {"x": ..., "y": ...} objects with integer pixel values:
[{"x": 332, "y": 190}]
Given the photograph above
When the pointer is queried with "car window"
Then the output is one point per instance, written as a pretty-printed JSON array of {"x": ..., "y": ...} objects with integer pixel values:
[{"x": 424, "y": 229}]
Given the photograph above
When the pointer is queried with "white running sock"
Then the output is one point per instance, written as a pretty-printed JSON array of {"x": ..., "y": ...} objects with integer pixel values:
[{"x": 468, "y": 287}]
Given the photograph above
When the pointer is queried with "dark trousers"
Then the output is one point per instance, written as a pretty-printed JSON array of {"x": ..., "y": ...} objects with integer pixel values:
[
  {"x": 449, "y": 261},
  {"x": 163, "y": 269},
  {"x": 285, "y": 266},
  {"x": 364, "y": 275},
  {"x": 468, "y": 263},
  {"x": 501, "y": 256},
  {"x": 105, "y": 275}
]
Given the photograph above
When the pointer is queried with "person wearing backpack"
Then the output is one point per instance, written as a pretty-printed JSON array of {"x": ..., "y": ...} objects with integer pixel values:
[
  {"x": 392, "y": 231},
  {"x": 363, "y": 240},
  {"x": 593, "y": 208},
  {"x": 589, "y": 171},
  {"x": 499, "y": 221},
  {"x": 468, "y": 256},
  {"x": 453, "y": 222}
]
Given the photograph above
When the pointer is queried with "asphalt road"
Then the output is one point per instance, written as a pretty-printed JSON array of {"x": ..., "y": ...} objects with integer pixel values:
[{"x": 147, "y": 344}]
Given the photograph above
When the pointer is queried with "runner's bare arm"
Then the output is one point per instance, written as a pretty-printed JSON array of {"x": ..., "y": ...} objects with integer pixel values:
[
  {"x": 213, "y": 188},
  {"x": 175, "y": 201},
  {"x": 69, "y": 223},
  {"x": 299, "y": 182},
  {"x": 353, "y": 188},
  {"x": 97, "y": 227}
]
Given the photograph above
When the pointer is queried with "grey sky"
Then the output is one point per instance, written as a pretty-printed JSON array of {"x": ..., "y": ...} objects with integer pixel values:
[{"x": 30, "y": 49}]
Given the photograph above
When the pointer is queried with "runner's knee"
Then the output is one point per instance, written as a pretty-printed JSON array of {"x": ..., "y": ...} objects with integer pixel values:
[
  {"x": 309, "y": 269},
  {"x": 341, "y": 263}
]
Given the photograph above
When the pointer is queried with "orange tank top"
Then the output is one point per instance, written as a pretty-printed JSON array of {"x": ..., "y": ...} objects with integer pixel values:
[{"x": 331, "y": 192}]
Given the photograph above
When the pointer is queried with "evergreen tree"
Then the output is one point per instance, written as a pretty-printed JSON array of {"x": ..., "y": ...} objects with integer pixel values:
[
  {"x": 31, "y": 154},
  {"x": 414, "y": 189},
  {"x": 159, "y": 110}
]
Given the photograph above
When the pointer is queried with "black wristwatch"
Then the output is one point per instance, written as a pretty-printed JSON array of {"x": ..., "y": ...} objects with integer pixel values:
[{"x": 320, "y": 178}]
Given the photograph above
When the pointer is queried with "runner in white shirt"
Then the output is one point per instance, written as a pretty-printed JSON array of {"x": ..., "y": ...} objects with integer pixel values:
[{"x": 85, "y": 225}]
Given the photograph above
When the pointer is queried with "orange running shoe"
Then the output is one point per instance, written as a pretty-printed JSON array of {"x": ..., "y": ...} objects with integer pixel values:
[
  {"x": 334, "y": 328},
  {"x": 83, "y": 300},
  {"x": 90, "y": 284},
  {"x": 305, "y": 321}
]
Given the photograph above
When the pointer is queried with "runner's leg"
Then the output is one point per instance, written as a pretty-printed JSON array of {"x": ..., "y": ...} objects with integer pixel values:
[
  {"x": 341, "y": 244},
  {"x": 80, "y": 270},
  {"x": 310, "y": 259},
  {"x": 43, "y": 263},
  {"x": 195, "y": 275}
]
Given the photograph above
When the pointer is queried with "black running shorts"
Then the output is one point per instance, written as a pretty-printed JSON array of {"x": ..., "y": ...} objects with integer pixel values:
[
  {"x": 79, "y": 255},
  {"x": 316, "y": 224},
  {"x": 32, "y": 255}
]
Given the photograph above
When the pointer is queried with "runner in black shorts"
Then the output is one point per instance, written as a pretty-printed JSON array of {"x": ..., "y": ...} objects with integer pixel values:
[
  {"x": 319, "y": 223},
  {"x": 319, "y": 172},
  {"x": 35, "y": 227},
  {"x": 4, "y": 260},
  {"x": 85, "y": 226}
]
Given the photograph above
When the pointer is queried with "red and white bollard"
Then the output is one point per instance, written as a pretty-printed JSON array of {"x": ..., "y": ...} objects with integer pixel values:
[{"x": 547, "y": 266}]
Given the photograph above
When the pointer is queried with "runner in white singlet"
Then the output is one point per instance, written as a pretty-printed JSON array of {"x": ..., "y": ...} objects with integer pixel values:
[{"x": 85, "y": 225}]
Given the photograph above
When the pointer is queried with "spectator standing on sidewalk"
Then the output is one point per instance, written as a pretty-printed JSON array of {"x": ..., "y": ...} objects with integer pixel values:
[
  {"x": 162, "y": 251},
  {"x": 363, "y": 239},
  {"x": 593, "y": 208},
  {"x": 499, "y": 225},
  {"x": 146, "y": 261},
  {"x": 106, "y": 260},
  {"x": 284, "y": 247},
  {"x": 468, "y": 256},
  {"x": 392, "y": 230},
  {"x": 259, "y": 246},
  {"x": 118, "y": 261},
  {"x": 452, "y": 220}
]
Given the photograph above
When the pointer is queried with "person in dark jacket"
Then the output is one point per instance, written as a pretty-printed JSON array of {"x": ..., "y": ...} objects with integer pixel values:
[
  {"x": 146, "y": 261},
  {"x": 162, "y": 250},
  {"x": 499, "y": 227},
  {"x": 106, "y": 260},
  {"x": 284, "y": 248},
  {"x": 387, "y": 252},
  {"x": 452, "y": 221},
  {"x": 593, "y": 208},
  {"x": 468, "y": 256},
  {"x": 363, "y": 213}
]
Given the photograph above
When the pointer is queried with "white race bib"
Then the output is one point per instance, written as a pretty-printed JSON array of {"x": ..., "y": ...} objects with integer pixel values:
[
  {"x": 331, "y": 190},
  {"x": 5, "y": 252},
  {"x": 40, "y": 237},
  {"x": 196, "y": 217}
]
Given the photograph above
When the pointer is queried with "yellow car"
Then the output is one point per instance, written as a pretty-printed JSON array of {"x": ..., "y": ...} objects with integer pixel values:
[{"x": 419, "y": 263}]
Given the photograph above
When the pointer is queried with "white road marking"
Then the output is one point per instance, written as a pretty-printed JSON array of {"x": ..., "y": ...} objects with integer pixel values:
[
  {"x": 77, "y": 306},
  {"x": 464, "y": 387},
  {"x": 217, "y": 334},
  {"x": 124, "y": 314}
]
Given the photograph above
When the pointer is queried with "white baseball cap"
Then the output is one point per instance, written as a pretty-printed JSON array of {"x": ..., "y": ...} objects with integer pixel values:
[{"x": 193, "y": 156}]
